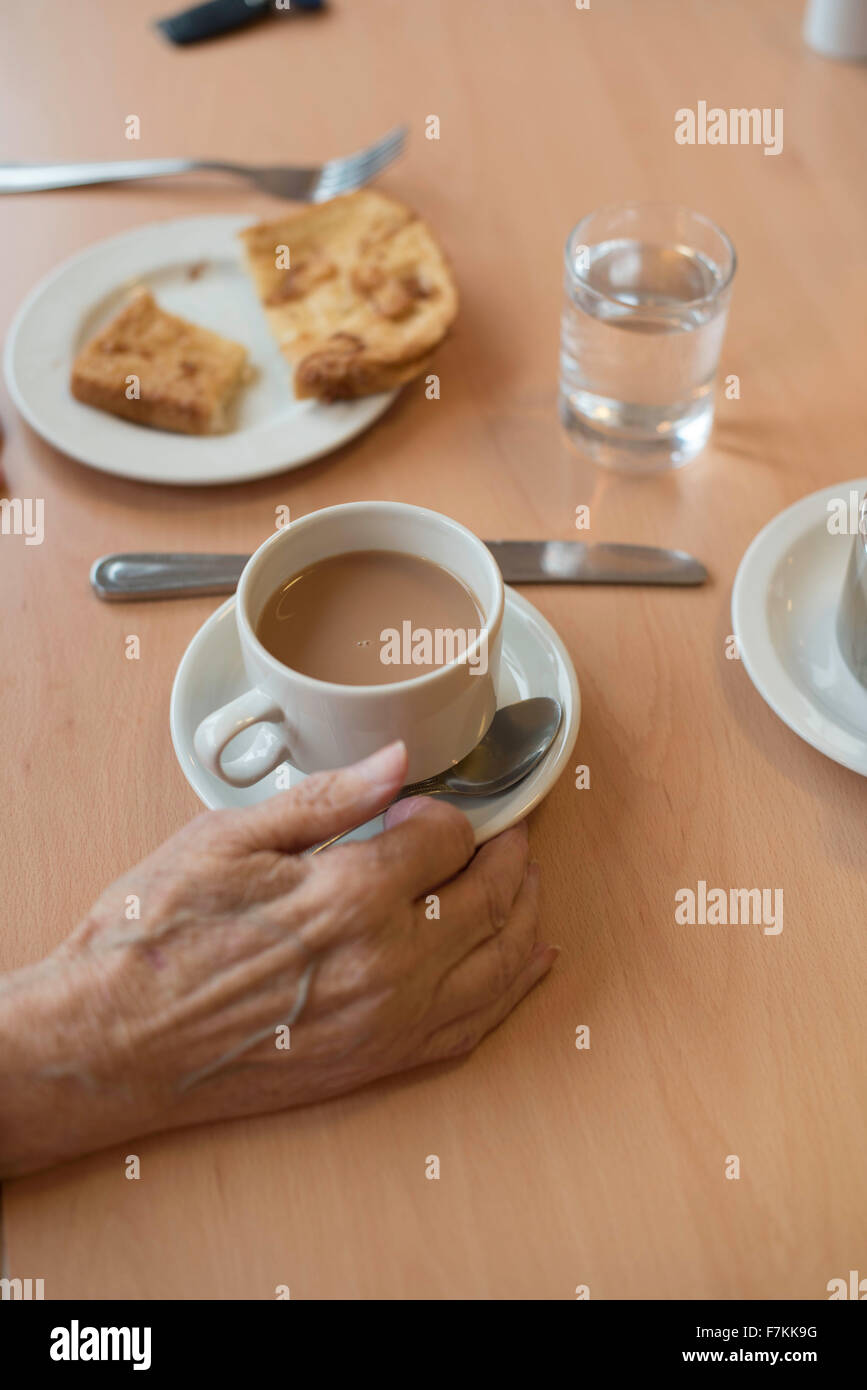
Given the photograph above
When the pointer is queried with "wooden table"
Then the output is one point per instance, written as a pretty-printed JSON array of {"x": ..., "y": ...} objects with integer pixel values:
[{"x": 560, "y": 1167}]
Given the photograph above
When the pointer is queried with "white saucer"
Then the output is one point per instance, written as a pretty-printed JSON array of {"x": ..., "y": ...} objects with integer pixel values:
[
  {"x": 534, "y": 662},
  {"x": 784, "y": 608},
  {"x": 274, "y": 431}
]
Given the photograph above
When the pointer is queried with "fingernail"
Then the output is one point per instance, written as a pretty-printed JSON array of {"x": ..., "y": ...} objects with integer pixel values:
[
  {"x": 384, "y": 767},
  {"x": 403, "y": 810},
  {"x": 542, "y": 948}
]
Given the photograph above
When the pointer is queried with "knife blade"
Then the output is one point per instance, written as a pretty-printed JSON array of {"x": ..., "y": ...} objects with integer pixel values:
[
  {"x": 578, "y": 562},
  {"x": 190, "y": 574}
]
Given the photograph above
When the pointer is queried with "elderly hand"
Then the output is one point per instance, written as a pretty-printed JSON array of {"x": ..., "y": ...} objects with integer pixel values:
[{"x": 256, "y": 977}]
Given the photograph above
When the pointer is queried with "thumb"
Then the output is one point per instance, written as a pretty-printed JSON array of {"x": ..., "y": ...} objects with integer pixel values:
[{"x": 326, "y": 803}]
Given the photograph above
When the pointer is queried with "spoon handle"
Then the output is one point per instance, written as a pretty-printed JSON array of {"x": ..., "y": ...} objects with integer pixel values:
[
  {"x": 334, "y": 838},
  {"x": 427, "y": 788},
  {"x": 324, "y": 844}
]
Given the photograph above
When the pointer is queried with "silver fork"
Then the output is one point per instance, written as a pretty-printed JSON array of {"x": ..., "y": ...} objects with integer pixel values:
[{"x": 312, "y": 185}]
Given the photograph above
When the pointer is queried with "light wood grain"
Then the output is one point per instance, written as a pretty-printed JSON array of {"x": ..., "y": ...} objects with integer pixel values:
[{"x": 559, "y": 1167}]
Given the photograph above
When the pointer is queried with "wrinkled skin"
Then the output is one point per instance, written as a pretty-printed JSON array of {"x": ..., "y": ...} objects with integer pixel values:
[{"x": 136, "y": 1025}]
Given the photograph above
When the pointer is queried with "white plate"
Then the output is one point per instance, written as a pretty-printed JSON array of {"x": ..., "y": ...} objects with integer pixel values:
[
  {"x": 274, "y": 431},
  {"x": 784, "y": 608},
  {"x": 534, "y": 662}
]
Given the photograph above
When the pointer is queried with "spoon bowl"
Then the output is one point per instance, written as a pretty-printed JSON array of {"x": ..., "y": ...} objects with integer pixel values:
[{"x": 517, "y": 740}]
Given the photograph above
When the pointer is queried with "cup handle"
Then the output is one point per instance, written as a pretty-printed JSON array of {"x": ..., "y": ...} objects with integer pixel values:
[{"x": 218, "y": 729}]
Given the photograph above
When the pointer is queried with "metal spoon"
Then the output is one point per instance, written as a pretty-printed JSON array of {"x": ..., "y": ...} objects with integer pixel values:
[{"x": 519, "y": 737}]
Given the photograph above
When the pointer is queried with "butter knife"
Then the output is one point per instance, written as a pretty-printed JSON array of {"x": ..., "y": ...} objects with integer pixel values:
[{"x": 141, "y": 576}]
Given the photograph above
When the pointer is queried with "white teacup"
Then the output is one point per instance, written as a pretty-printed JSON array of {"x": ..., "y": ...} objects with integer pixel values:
[{"x": 440, "y": 714}]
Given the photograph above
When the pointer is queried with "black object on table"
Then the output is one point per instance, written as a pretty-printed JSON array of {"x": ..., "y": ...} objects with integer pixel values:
[{"x": 221, "y": 16}]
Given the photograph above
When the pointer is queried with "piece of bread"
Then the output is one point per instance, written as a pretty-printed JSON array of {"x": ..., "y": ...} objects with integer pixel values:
[
  {"x": 184, "y": 378},
  {"x": 366, "y": 297}
]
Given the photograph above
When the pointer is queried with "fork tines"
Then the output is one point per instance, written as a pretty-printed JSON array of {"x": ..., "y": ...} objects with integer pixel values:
[{"x": 355, "y": 170}]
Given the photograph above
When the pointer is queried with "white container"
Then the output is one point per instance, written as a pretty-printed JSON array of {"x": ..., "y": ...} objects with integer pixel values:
[
  {"x": 440, "y": 715},
  {"x": 837, "y": 28}
]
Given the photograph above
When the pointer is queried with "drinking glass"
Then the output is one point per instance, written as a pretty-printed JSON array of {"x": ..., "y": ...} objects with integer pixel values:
[{"x": 647, "y": 291}]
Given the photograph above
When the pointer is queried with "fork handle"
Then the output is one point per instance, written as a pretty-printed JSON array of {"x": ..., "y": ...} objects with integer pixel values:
[{"x": 36, "y": 178}]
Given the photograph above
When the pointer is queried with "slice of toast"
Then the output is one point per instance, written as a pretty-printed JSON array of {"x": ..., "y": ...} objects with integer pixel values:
[
  {"x": 357, "y": 293},
  {"x": 159, "y": 370}
]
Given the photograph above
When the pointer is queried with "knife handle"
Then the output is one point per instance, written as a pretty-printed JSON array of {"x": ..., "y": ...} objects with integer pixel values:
[
  {"x": 212, "y": 18},
  {"x": 222, "y": 16},
  {"x": 117, "y": 577}
]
